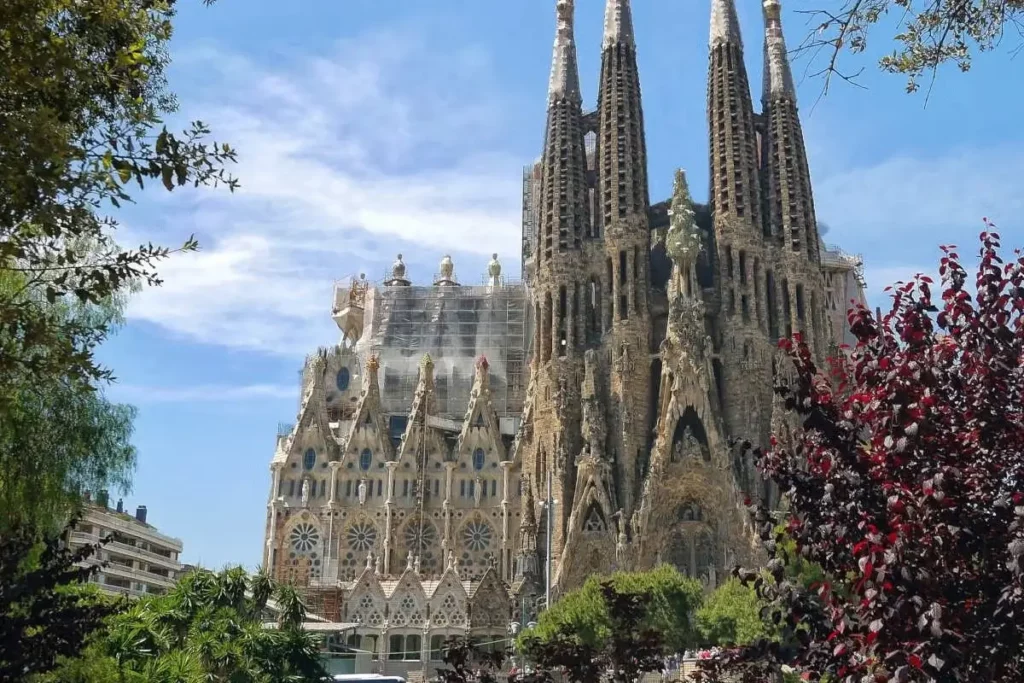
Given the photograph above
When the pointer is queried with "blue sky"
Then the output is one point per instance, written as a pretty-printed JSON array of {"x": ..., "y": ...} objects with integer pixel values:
[{"x": 367, "y": 128}]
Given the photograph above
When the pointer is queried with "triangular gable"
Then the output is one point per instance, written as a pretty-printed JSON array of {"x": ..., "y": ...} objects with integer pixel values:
[
  {"x": 369, "y": 417},
  {"x": 408, "y": 603},
  {"x": 480, "y": 415},
  {"x": 489, "y": 604},
  {"x": 365, "y": 604},
  {"x": 311, "y": 425},
  {"x": 449, "y": 601},
  {"x": 419, "y": 439}
]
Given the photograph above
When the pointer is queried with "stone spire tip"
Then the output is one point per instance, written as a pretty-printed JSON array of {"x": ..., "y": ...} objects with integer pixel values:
[
  {"x": 565, "y": 78},
  {"x": 778, "y": 78},
  {"x": 725, "y": 25},
  {"x": 618, "y": 23}
]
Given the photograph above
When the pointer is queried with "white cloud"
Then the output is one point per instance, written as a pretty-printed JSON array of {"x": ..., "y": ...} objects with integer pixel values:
[
  {"x": 902, "y": 208},
  {"x": 212, "y": 393},
  {"x": 388, "y": 144}
]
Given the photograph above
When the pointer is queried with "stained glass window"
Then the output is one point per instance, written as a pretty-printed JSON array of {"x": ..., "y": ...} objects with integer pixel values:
[
  {"x": 343, "y": 378},
  {"x": 478, "y": 459},
  {"x": 309, "y": 459},
  {"x": 365, "y": 458}
]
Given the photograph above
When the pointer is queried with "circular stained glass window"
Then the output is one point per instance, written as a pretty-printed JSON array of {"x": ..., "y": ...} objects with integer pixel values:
[
  {"x": 304, "y": 538},
  {"x": 309, "y": 459},
  {"x": 361, "y": 537},
  {"x": 477, "y": 536},
  {"x": 478, "y": 459},
  {"x": 365, "y": 459},
  {"x": 420, "y": 537},
  {"x": 342, "y": 379}
]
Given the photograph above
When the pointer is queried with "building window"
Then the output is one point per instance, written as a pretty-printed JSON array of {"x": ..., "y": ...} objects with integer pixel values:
[
  {"x": 404, "y": 648},
  {"x": 342, "y": 379},
  {"x": 478, "y": 459},
  {"x": 405, "y": 488},
  {"x": 348, "y": 488},
  {"x": 365, "y": 459},
  {"x": 380, "y": 486},
  {"x": 309, "y": 459},
  {"x": 323, "y": 488},
  {"x": 462, "y": 488},
  {"x": 437, "y": 487},
  {"x": 291, "y": 487},
  {"x": 436, "y": 648},
  {"x": 494, "y": 488}
]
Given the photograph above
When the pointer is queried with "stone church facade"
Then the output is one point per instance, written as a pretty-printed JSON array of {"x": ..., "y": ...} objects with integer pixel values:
[{"x": 410, "y": 496}]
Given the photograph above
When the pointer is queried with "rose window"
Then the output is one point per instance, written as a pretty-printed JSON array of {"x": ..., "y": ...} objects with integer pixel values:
[
  {"x": 361, "y": 536},
  {"x": 407, "y": 604},
  {"x": 477, "y": 536},
  {"x": 420, "y": 537},
  {"x": 304, "y": 538}
]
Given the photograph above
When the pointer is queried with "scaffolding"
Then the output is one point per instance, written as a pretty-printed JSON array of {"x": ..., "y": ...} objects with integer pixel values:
[{"x": 455, "y": 324}]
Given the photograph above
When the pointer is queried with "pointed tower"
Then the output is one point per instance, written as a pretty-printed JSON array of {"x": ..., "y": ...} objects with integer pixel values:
[
  {"x": 622, "y": 203},
  {"x": 558, "y": 285},
  {"x": 744, "y": 261},
  {"x": 735, "y": 190},
  {"x": 790, "y": 203}
]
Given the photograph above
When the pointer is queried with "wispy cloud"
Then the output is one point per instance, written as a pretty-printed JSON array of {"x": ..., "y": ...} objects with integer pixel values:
[
  {"x": 388, "y": 144},
  {"x": 204, "y": 393}
]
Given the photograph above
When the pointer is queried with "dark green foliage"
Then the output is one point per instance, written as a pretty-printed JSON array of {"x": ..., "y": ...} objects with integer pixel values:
[
  {"x": 671, "y": 599},
  {"x": 631, "y": 647},
  {"x": 43, "y": 617},
  {"x": 209, "y": 629}
]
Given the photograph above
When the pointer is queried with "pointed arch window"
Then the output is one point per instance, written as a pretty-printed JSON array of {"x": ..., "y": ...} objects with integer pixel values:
[
  {"x": 309, "y": 459},
  {"x": 342, "y": 379},
  {"x": 365, "y": 459},
  {"x": 478, "y": 459}
]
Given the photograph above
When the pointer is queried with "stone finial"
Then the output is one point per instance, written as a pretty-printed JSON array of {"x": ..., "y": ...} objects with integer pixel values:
[
  {"x": 409, "y": 562},
  {"x": 446, "y": 272},
  {"x": 494, "y": 272},
  {"x": 482, "y": 364},
  {"x": 565, "y": 77},
  {"x": 369, "y": 561},
  {"x": 427, "y": 363},
  {"x": 618, "y": 23},
  {"x": 398, "y": 271},
  {"x": 778, "y": 78},
  {"x": 725, "y": 25},
  {"x": 372, "y": 363}
]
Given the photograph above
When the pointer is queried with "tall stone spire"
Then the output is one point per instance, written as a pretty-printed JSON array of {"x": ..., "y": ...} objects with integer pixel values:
[
  {"x": 565, "y": 76},
  {"x": 622, "y": 203},
  {"x": 622, "y": 199},
  {"x": 564, "y": 206},
  {"x": 735, "y": 188},
  {"x": 787, "y": 178}
]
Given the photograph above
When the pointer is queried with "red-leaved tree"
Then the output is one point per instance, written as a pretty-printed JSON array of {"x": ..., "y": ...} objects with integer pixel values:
[{"x": 907, "y": 488}]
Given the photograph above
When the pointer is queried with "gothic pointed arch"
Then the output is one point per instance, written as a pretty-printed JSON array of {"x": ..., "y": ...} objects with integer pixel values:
[{"x": 407, "y": 606}]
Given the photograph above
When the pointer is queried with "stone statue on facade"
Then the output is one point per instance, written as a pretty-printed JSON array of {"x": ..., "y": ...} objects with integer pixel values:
[
  {"x": 362, "y": 491},
  {"x": 478, "y": 490},
  {"x": 305, "y": 493}
]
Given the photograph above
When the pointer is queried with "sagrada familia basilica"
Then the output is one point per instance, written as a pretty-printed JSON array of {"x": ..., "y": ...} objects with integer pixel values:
[{"x": 467, "y": 448}]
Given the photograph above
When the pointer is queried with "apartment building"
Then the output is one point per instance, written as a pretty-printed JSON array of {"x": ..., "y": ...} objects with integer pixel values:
[{"x": 139, "y": 559}]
